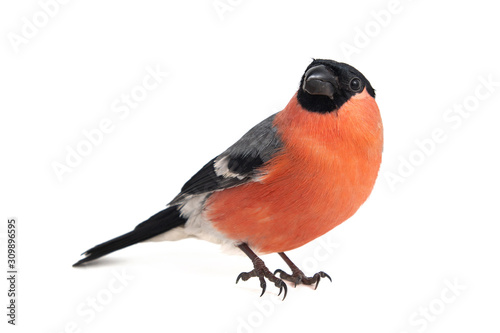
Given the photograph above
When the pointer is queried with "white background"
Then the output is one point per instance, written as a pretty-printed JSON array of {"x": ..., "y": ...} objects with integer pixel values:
[{"x": 437, "y": 225}]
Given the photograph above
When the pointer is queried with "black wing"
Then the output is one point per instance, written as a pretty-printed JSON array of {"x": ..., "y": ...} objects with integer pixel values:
[{"x": 238, "y": 165}]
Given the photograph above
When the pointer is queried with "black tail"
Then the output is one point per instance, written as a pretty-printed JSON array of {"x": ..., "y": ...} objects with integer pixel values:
[{"x": 165, "y": 220}]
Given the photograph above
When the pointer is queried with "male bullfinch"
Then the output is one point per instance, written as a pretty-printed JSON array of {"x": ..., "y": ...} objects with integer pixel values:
[{"x": 290, "y": 179}]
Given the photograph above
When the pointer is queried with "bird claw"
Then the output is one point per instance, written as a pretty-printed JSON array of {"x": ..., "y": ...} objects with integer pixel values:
[
  {"x": 262, "y": 285},
  {"x": 298, "y": 277},
  {"x": 262, "y": 272},
  {"x": 283, "y": 288},
  {"x": 318, "y": 277},
  {"x": 245, "y": 276}
]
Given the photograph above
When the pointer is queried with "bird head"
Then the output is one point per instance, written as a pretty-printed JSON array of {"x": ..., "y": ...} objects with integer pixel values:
[{"x": 326, "y": 85}]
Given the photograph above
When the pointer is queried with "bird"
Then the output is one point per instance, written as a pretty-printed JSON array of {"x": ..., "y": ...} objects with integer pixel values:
[{"x": 289, "y": 180}]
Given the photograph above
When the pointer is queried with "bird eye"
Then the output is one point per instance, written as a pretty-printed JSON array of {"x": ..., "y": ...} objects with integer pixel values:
[{"x": 355, "y": 84}]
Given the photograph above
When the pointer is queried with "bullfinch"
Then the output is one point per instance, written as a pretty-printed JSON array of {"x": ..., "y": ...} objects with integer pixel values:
[{"x": 290, "y": 179}]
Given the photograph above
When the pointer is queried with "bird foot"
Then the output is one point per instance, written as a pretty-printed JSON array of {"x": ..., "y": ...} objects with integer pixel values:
[
  {"x": 299, "y": 277},
  {"x": 262, "y": 272}
]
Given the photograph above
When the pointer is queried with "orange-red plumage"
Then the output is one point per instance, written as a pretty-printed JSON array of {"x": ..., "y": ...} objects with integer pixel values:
[
  {"x": 290, "y": 179},
  {"x": 324, "y": 172}
]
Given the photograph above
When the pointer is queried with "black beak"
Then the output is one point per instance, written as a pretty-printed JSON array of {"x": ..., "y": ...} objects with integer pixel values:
[{"x": 319, "y": 80}]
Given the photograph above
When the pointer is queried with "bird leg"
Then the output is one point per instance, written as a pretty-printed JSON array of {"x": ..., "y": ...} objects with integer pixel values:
[
  {"x": 298, "y": 276},
  {"x": 261, "y": 271}
]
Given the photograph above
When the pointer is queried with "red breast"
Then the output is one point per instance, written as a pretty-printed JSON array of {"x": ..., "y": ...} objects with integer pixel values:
[{"x": 324, "y": 172}]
